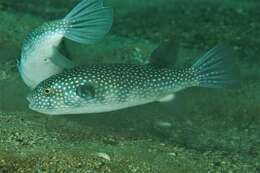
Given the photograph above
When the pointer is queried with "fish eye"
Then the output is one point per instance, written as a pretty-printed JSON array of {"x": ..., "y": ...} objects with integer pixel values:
[{"x": 47, "y": 91}]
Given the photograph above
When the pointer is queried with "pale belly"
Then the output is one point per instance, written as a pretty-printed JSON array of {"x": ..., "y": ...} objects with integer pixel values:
[
  {"x": 99, "y": 108},
  {"x": 93, "y": 109}
]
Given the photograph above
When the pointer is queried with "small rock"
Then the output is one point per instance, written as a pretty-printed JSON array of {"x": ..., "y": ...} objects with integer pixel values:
[
  {"x": 172, "y": 154},
  {"x": 104, "y": 156},
  {"x": 163, "y": 124}
]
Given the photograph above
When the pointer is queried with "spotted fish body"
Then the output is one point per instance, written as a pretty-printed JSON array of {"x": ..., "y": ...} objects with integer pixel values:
[
  {"x": 116, "y": 86},
  {"x": 39, "y": 46},
  {"x": 108, "y": 87},
  {"x": 40, "y": 58}
]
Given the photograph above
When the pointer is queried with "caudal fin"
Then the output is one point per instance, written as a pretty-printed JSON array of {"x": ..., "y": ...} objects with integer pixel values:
[
  {"x": 216, "y": 69},
  {"x": 88, "y": 22}
]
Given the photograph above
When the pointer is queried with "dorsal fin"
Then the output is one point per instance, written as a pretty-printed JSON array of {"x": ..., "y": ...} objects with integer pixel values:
[
  {"x": 86, "y": 91},
  {"x": 165, "y": 55}
]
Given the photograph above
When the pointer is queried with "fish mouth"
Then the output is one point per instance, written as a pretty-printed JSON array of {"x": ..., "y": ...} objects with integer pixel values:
[
  {"x": 33, "y": 107},
  {"x": 29, "y": 99}
]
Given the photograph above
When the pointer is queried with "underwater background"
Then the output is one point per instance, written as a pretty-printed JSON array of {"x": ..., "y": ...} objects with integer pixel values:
[{"x": 203, "y": 130}]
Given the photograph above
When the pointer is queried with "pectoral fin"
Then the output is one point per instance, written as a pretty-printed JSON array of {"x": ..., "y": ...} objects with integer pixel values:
[
  {"x": 61, "y": 61},
  {"x": 88, "y": 22},
  {"x": 167, "y": 98},
  {"x": 86, "y": 91}
]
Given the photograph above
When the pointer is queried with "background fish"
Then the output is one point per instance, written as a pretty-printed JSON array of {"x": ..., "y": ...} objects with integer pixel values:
[
  {"x": 108, "y": 87},
  {"x": 88, "y": 22}
]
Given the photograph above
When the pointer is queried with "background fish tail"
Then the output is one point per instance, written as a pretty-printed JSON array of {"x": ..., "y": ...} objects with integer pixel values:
[
  {"x": 88, "y": 22},
  {"x": 216, "y": 69}
]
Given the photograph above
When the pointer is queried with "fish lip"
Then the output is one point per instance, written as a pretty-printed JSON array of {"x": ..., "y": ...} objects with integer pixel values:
[
  {"x": 31, "y": 106},
  {"x": 29, "y": 99}
]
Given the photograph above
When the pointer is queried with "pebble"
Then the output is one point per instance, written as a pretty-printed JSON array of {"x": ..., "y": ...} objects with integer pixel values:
[{"x": 104, "y": 156}]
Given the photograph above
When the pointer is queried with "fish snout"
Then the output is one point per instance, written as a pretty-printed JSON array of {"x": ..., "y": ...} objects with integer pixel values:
[{"x": 30, "y": 100}]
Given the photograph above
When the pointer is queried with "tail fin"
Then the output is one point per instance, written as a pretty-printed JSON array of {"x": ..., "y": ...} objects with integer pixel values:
[
  {"x": 216, "y": 69},
  {"x": 88, "y": 22}
]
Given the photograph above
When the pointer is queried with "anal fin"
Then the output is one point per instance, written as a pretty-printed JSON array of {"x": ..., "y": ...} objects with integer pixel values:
[{"x": 167, "y": 98}]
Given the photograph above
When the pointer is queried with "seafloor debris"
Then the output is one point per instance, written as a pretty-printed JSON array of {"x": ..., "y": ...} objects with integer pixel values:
[{"x": 104, "y": 156}]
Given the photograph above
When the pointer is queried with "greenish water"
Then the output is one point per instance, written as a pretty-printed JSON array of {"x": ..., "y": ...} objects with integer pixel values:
[{"x": 204, "y": 130}]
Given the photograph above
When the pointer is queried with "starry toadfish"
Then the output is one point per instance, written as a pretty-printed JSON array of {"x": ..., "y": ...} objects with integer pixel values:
[
  {"x": 108, "y": 87},
  {"x": 40, "y": 58}
]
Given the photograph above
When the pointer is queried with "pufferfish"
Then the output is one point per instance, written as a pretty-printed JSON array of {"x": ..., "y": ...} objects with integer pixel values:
[
  {"x": 107, "y": 87},
  {"x": 40, "y": 58}
]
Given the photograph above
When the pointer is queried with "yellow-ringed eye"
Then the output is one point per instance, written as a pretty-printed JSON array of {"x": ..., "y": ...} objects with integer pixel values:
[{"x": 47, "y": 91}]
